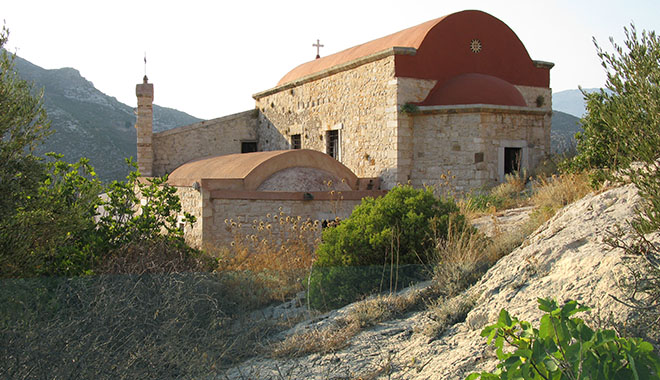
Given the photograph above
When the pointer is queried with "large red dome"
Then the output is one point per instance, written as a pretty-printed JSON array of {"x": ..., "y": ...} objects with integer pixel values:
[{"x": 474, "y": 88}]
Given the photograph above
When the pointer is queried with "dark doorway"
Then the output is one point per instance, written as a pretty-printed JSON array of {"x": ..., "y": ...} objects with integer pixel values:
[
  {"x": 512, "y": 160},
  {"x": 248, "y": 146}
]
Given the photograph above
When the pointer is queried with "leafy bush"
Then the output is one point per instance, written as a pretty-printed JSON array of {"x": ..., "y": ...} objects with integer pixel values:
[
  {"x": 53, "y": 232},
  {"x": 141, "y": 210},
  {"x": 566, "y": 348},
  {"x": 404, "y": 217},
  {"x": 384, "y": 241}
]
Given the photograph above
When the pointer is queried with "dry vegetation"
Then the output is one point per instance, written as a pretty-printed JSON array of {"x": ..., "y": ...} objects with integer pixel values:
[
  {"x": 276, "y": 251},
  {"x": 461, "y": 260},
  {"x": 259, "y": 269}
]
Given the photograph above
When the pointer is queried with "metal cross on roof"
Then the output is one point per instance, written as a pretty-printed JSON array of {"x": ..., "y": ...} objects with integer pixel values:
[{"x": 318, "y": 46}]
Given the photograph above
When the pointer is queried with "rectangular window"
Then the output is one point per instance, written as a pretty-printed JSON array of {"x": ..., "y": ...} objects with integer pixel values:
[
  {"x": 296, "y": 142},
  {"x": 248, "y": 146},
  {"x": 332, "y": 144},
  {"x": 512, "y": 160}
]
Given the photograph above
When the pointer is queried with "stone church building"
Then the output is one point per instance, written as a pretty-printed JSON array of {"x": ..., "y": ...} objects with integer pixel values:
[{"x": 456, "y": 96}]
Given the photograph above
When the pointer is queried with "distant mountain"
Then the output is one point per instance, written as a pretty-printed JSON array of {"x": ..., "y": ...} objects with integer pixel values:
[
  {"x": 571, "y": 101},
  {"x": 89, "y": 123},
  {"x": 564, "y": 128}
]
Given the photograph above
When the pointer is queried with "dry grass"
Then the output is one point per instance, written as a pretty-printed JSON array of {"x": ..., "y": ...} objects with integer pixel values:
[
  {"x": 446, "y": 313},
  {"x": 329, "y": 339},
  {"x": 362, "y": 315},
  {"x": 513, "y": 185},
  {"x": 552, "y": 194},
  {"x": 276, "y": 251},
  {"x": 510, "y": 194}
]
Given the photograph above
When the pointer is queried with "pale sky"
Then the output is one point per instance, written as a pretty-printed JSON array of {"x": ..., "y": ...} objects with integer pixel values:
[{"x": 207, "y": 58}]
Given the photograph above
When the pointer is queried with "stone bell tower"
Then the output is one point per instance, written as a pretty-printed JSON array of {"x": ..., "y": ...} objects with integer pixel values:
[{"x": 144, "y": 126}]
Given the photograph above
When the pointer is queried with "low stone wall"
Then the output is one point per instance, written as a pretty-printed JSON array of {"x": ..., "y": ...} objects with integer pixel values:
[
  {"x": 248, "y": 213},
  {"x": 214, "y": 137}
]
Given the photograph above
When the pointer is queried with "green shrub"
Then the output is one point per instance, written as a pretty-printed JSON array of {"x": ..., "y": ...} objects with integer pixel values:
[
  {"x": 566, "y": 348},
  {"x": 385, "y": 242},
  {"x": 403, "y": 218}
]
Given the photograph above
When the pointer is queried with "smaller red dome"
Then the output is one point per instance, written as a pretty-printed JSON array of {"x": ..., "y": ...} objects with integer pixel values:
[{"x": 474, "y": 88}]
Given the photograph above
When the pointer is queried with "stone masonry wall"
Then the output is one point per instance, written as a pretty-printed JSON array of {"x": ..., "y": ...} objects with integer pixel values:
[
  {"x": 244, "y": 213},
  {"x": 410, "y": 90},
  {"x": 360, "y": 103},
  {"x": 207, "y": 138},
  {"x": 466, "y": 148},
  {"x": 191, "y": 201}
]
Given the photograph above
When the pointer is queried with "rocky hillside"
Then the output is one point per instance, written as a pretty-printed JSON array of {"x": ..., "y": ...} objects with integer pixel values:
[
  {"x": 565, "y": 258},
  {"x": 89, "y": 123},
  {"x": 562, "y": 135}
]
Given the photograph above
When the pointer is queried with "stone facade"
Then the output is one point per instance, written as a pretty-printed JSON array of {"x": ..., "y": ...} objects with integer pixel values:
[
  {"x": 361, "y": 103},
  {"x": 466, "y": 145},
  {"x": 223, "y": 135}
]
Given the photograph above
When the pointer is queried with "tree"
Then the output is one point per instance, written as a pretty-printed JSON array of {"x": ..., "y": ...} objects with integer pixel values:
[
  {"x": 23, "y": 126},
  {"x": 48, "y": 207},
  {"x": 622, "y": 124},
  {"x": 622, "y": 127}
]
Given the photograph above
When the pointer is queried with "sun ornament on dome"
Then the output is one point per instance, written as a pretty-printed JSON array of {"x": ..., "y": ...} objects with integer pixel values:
[{"x": 475, "y": 46}]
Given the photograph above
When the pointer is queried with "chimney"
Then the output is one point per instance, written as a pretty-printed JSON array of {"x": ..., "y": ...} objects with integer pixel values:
[{"x": 144, "y": 126}]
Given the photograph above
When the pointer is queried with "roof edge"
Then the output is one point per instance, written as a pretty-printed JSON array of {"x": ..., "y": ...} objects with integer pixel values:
[
  {"x": 204, "y": 123},
  {"x": 467, "y": 108},
  {"x": 543, "y": 64},
  {"x": 396, "y": 50}
]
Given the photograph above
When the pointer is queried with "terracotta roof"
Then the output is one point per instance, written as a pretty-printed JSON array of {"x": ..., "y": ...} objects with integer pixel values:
[
  {"x": 249, "y": 170},
  {"x": 411, "y": 37},
  {"x": 470, "y": 41}
]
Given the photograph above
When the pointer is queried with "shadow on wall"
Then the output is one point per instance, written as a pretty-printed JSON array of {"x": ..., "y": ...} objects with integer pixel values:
[{"x": 268, "y": 137}]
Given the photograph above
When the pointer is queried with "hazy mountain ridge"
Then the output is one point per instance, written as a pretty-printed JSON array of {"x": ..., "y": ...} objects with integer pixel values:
[{"x": 89, "y": 123}]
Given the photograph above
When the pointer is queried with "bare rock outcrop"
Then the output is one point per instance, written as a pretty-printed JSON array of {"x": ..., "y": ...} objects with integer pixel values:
[{"x": 566, "y": 258}]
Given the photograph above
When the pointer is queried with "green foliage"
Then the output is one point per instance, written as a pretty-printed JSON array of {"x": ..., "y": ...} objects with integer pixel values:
[
  {"x": 622, "y": 127},
  {"x": 373, "y": 246},
  {"x": 49, "y": 207},
  {"x": 409, "y": 108},
  {"x": 622, "y": 122},
  {"x": 158, "y": 204},
  {"x": 23, "y": 126},
  {"x": 564, "y": 347},
  {"x": 405, "y": 218},
  {"x": 54, "y": 233}
]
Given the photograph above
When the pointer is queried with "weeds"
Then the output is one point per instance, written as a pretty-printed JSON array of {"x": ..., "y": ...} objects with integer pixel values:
[
  {"x": 550, "y": 195},
  {"x": 447, "y": 313},
  {"x": 277, "y": 254},
  {"x": 329, "y": 339}
]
